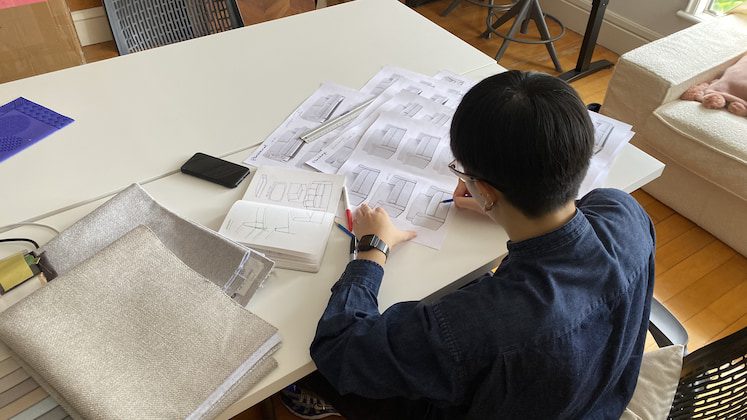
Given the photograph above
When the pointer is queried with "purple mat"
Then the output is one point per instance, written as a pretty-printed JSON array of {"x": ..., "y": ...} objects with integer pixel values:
[{"x": 23, "y": 123}]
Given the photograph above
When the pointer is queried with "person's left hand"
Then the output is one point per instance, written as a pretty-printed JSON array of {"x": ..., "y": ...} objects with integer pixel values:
[{"x": 368, "y": 221}]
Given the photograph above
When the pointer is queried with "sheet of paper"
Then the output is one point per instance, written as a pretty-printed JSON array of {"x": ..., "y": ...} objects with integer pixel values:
[
  {"x": 295, "y": 188},
  {"x": 400, "y": 164},
  {"x": 284, "y": 147},
  {"x": 292, "y": 230},
  {"x": 405, "y": 103},
  {"x": 610, "y": 136}
]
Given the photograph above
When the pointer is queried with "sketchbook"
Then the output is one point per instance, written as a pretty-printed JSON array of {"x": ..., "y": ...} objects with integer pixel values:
[{"x": 287, "y": 214}]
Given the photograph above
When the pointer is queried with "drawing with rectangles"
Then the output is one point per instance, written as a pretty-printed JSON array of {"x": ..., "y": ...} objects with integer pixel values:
[
  {"x": 314, "y": 195},
  {"x": 419, "y": 152},
  {"x": 602, "y": 131},
  {"x": 427, "y": 209},
  {"x": 384, "y": 142},
  {"x": 323, "y": 108},
  {"x": 393, "y": 195},
  {"x": 442, "y": 162},
  {"x": 341, "y": 155},
  {"x": 409, "y": 110},
  {"x": 438, "y": 119},
  {"x": 361, "y": 183},
  {"x": 286, "y": 145}
]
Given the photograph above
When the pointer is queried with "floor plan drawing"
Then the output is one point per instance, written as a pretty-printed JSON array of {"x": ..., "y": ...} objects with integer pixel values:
[
  {"x": 384, "y": 142},
  {"x": 393, "y": 195},
  {"x": 323, "y": 108},
  {"x": 428, "y": 210},
  {"x": 363, "y": 179},
  {"x": 419, "y": 152},
  {"x": 286, "y": 145}
]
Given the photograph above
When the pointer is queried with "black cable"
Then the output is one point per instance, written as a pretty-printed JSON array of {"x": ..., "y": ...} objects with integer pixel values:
[{"x": 31, "y": 241}]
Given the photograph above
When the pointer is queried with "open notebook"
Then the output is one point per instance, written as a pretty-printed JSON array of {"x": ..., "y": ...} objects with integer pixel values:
[{"x": 286, "y": 214}]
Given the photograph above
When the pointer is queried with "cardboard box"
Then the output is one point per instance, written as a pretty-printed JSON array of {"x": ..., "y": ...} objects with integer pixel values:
[{"x": 36, "y": 38}]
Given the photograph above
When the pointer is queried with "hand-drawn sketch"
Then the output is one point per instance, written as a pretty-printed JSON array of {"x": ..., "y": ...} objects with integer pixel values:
[
  {"x": 418, "y": 152},
  {"x": 363, "y": 179},
  {"x": 427, "y": 209},
  {"x": 265, "y": 223},
  {"x": 323, "y": 108},
  {"x": 393, "y": 195},
  {"x": 286, "y": 145},
  {"x": 384, "y": 142},
  {"x": 314, "y": 195}
]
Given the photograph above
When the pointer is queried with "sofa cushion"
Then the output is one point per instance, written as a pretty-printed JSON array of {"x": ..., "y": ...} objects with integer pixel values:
[{"x": 711, "y": 143}]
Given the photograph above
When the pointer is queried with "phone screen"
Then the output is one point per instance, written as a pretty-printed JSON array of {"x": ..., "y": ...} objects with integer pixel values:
[{"x": 215, "y": 170}]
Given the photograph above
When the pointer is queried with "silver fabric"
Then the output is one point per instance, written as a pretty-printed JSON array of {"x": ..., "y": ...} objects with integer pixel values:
[
  {"x": 133, "y": 332},
  {"x": 219, "y": 259}
]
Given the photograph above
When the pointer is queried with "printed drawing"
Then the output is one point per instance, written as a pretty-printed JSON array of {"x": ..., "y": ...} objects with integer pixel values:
[
  {"x": 261, "y": 223},
  {"x": 341, "y": 155},
  {"x": 312, "y": 151},
  {"x": 438, "y": 119},
  {"x": 602, "y": 131},
  {"x": 428, "y": 210},
  {"x": 419, "y": 152},
  {"x": 384, "y": 84},
  {"x": 442, "y": 162},
  {"x": 409, "y": 110},
  {"x": 314, "y": 195},
  {"x": 286, "y": 145},
  {"x": 323, "y": 108},
  {"x": 363, "y": 179},
  {"x": 384, "y": 142},
  {"x": 393, "y": 195}
]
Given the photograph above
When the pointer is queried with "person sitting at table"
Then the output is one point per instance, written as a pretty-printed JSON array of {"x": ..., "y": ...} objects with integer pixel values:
[{"x": 557, "y": 332}]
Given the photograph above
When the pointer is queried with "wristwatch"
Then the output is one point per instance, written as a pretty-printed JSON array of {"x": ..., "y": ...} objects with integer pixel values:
[{"x": 369, "y": 242}]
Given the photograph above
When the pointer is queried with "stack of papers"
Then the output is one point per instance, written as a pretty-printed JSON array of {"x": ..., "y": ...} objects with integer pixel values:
[
  {"x": 394, "y": 154},
  {"x": 287, "y": 215}
]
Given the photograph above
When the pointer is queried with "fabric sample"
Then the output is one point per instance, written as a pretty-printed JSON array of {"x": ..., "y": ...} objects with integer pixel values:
[
  {"x": 657, "y": 383},
  {"x": 133, "y": 332},
  {"x": 220, "y": 260},
  {"x": 23, "y": 123}
]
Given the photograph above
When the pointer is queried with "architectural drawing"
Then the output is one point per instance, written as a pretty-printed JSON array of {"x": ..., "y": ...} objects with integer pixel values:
[
  {"x": 341, "y": 155},
  {"x": 428, "y": 210},
  {"x": 437, "y": 118},
  {"x": 286, "y": 145},
  {"x": 363, "y": 179},
  {"x": 409, "y": 110},
  {"x": 323, "y": 108},
  {"x": 384, "y": 84},
  {"x": 384, "y": 142},
  {"x": 419, "y": 152},
  {"x": 602, "y": 131},
  {"x": 393, "y": 195}
]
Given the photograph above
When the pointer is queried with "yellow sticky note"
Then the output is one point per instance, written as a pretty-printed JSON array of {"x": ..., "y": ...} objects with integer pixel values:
[{"x": 14, "y": 271}]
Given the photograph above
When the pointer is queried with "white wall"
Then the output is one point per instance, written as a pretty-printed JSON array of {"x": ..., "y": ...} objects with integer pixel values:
[{"x": 628, "y": 23}]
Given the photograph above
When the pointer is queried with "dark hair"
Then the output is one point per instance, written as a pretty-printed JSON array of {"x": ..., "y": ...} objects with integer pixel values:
[{"x": 526, "y": 134}]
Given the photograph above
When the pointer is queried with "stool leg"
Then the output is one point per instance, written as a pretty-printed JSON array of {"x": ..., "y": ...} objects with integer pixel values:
[
  {"x": 520, "y": 17},
  {"x": 451, "y": 7},
  {"x": 513, "y": 11},
  {"x": 539, "y": 19}
]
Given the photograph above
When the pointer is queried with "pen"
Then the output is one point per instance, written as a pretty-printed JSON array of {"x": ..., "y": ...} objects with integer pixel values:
[
  {"x": 347, "y": 232},
  {"x": 353, "y": 248},
  {"x": 346, "y": 203},
  {"x": 448, "y": 200}
]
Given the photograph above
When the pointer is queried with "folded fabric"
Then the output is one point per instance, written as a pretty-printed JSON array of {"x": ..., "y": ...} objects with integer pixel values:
[
  {"x": 133, "y": 332},
  {"x": 234, "y": 267}
]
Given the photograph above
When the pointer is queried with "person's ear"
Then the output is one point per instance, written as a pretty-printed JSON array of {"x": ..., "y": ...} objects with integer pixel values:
[{"x": 489, "y": 194}]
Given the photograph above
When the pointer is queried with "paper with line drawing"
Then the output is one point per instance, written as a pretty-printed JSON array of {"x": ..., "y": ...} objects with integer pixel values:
[{"x": 296, "y": 189}]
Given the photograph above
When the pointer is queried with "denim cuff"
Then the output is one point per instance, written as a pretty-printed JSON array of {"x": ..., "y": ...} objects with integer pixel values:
[{"x": 363, "y": 272}]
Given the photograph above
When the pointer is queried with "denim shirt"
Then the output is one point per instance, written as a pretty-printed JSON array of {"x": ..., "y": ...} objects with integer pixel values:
[{"x": 556, "y": 333}]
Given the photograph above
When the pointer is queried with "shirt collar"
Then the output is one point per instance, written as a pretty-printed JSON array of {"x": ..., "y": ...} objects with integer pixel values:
[{"x": 552, "y": 240}]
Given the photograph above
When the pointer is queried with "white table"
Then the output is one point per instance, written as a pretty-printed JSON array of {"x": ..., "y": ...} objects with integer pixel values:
[{"x": 292, "y": 301}]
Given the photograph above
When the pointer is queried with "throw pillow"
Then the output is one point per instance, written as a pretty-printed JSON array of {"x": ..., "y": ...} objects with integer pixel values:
[{"x": 657, "y": 383}]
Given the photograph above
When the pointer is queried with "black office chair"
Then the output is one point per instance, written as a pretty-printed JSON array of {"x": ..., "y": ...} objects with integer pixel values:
[
  {"x": 713, "y": 382},
  {"x": 139, "y": 25}
]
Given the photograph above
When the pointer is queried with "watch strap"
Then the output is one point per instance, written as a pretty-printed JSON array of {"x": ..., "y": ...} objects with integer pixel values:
[{"x": 369, "y": 242}]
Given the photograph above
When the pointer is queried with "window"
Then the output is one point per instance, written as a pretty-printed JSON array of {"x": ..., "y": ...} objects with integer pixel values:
[{"x": 699, "y": 10}]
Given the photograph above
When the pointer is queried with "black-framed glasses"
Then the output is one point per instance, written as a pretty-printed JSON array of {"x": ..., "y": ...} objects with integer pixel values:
[{"x": 457, "y": 169}]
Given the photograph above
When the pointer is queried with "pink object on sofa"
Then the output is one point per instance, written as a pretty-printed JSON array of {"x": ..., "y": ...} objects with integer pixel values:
[{"x": 729, "y": 91}]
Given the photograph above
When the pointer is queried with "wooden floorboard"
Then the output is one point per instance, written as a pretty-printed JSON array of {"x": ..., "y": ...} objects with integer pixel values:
[{"x": 701, "y": 280}]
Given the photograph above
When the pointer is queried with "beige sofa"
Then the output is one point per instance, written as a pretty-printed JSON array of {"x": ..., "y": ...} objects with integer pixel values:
[{"x": 705, "y": 150}]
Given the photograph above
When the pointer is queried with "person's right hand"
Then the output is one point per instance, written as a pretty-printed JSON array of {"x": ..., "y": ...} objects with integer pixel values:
[{"x": 464, "y": 200}]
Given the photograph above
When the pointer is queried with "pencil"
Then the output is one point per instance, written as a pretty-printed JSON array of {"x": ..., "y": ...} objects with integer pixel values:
[
  {"x": 347, "y": 232},
  {"x": 448, "y": 200}
]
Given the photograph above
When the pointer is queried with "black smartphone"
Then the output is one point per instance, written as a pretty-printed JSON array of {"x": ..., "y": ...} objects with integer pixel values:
[{"x": 215, "y": 170}]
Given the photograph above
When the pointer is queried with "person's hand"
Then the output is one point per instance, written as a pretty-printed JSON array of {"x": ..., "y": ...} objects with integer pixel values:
[
  {"x": 368, "y": 221},
  {"x": 464, "y": 200}
]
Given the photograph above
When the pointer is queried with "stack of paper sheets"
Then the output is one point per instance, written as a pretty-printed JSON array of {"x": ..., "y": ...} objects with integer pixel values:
[
  {"x": 133, "y": 332},
  {"x": 395, "y": 153}
]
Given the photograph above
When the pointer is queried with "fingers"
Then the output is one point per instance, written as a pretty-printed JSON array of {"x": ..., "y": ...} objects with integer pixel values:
[
  {"x": 409, "y": 234},
  {"x": 467, "y": 203},
  {"x": 461, "y": 190}
]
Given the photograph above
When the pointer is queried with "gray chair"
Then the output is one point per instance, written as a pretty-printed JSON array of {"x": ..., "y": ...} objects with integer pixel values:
[{"x": 139, "y": 25}]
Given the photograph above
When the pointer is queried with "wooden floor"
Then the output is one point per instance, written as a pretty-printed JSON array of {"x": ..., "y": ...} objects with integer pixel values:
[{"x": 700, "y": 279}]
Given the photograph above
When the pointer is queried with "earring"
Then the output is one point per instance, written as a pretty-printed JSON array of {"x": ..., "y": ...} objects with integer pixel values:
[{"x": 489, "y": 207}]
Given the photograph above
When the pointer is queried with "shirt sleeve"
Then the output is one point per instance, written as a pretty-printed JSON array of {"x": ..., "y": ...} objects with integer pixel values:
[{"x": 407, "y": 351}]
